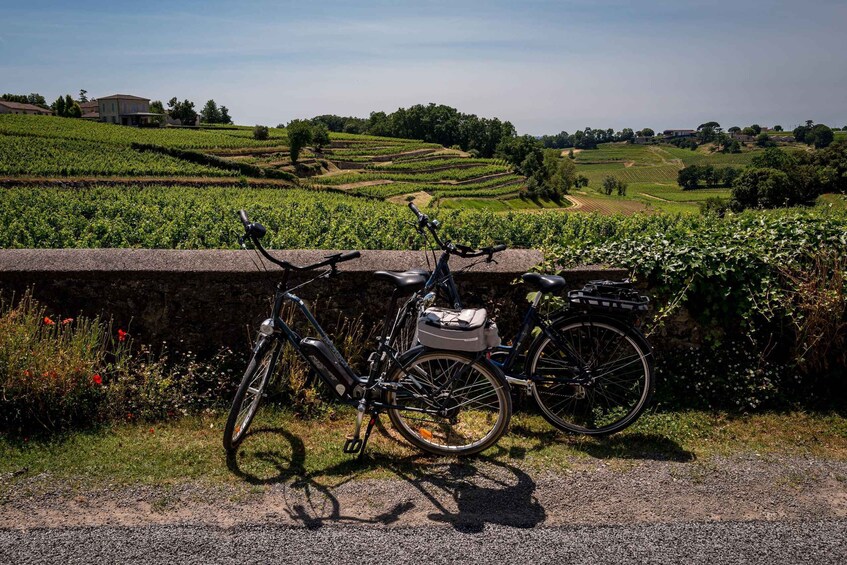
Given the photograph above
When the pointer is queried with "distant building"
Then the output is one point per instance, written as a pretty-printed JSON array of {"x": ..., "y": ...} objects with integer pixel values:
[
  {"x": 90, "y": 110},
  {"x": 672, "y": 133},
  {"x": 19, "y": 108},
  {"x": 125, "y": 109}
]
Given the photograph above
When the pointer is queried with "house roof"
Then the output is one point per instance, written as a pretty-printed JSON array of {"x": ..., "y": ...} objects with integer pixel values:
[
  {"x": 123, "y": 97},
  {"x": 20, "y": 106},
  {"x": 91, "y": 115},
  {"x": 90, "y": 105}
]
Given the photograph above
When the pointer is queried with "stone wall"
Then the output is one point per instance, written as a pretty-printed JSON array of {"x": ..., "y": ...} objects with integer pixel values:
[{"x": 214, "y": 299}]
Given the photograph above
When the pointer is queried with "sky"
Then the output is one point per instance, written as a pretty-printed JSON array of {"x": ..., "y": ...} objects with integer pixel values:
[{"x": 544, "y": 66}]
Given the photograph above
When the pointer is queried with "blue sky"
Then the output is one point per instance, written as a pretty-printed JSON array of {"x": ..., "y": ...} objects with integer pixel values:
[{"x": 546, "y": 66}]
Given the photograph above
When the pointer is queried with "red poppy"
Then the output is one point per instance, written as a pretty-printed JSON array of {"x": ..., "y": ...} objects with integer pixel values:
[
  {"x": 48, "y": 321},
  {"x": 122, "y": 335},
  {"x": 67, "y": 321},
  {"x": 98, "y": 380},
  {"x": 152, "y": 430},
  {"x": 27, "y": 373}
]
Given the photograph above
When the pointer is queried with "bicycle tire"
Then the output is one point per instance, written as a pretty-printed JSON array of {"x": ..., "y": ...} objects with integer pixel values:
[
  {"x": 492, "y": 402},
  {"x": 622, "y": 372},
  {"x": 248, "y": 397}
]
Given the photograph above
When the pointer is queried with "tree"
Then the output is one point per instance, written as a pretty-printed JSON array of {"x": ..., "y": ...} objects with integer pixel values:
[
  {"x": 156, "y": 107},
  {"x": 734, "y": 129},
  {"x": 260, "y": 132},
  {"x": 714, "y": 126},
  {"x": 613, "y": 184},
  {"x": 299, "y": 136},
  {"x": 69, "y": 104},
  {"x": 764, "y": 140},
  {"x": 748, "y": 131},
  {"x": 728, "y": 175},
  {"x": 688, "y": 178},
  {"x": 777, "y": 127},
  {"x": 820, "y": 136},
  {"x": 59, "y": 106},
  {"x": 761, "y": 188},
  {"x": 320, "y": 136},
  {"x": 710, "y": 175},
  {"x": 647, "y": 132},
  {"x": 581, "y": 181},
  {"x": 210, "y": 114},
  {"x": 516, "y": 150},
  {"x": 626, "y": 134},
  {"x": 757, "y": 129},
  {"x": 182, "y": 111},
  {"x": 225, "y": 118},
  {"x": 83, "y": 95},
  {"x": 74, "y": 111}
]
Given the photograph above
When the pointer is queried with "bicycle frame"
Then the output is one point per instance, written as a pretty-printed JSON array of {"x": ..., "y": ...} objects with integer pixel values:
[
  {"x": 381, "y": 359},
  {"x": 441, "y": 278}
]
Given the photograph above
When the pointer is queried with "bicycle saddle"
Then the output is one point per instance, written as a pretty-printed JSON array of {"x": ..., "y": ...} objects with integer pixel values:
[
  {"x": 406, "y": 280},
  {"x": 544, "y": 283}
]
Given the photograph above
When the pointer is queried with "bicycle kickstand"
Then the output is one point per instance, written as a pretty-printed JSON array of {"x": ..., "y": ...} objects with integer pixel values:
[
  {"x": 368, "y": 430},
  {"x": 355, "y": 443}
]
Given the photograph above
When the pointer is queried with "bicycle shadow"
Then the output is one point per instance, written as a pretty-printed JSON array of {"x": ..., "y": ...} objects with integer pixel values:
[
  {"x": 465, "y": 494},
  {"x": 633, "y": 445}
]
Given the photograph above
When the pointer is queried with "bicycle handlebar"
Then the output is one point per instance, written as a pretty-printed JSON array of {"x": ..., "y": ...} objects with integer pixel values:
[
  {"x": 453, "y": 249},
  {"x": 255, "y": 231}
]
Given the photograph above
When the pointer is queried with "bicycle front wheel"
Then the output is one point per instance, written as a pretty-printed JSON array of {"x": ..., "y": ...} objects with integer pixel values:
[
  {"x": 595, "y": 379},
  {"x": 450, "y": 403},
  {"x": 249, "y": 394}
]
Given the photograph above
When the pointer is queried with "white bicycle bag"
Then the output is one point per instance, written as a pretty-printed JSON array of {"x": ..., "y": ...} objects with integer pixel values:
[{"x": 457, "y": 330}]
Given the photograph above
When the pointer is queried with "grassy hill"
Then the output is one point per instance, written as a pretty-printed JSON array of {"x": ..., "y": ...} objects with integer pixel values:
[{"x": 34, "y": 148}]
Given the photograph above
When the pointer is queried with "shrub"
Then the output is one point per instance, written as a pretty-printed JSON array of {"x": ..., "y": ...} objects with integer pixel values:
[
  {"x": 52, "y": 370},
  {"x": 261, "y": 133}
]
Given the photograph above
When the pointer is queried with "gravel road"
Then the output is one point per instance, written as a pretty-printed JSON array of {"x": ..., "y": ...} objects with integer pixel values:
[
  {"x": 818, "y": 542},
  {"x": 738, "y": 509}
]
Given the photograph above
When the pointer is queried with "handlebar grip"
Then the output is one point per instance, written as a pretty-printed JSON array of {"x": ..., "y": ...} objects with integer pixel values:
[
  {"x": 349, "y": 256},
  {"x": 498, "y": 248},
  {"x": 414, "y": 209},
  {"x": 243, "y": 215}
]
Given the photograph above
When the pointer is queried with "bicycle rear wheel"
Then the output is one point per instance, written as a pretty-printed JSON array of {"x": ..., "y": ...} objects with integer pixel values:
[
  {"x": 468, "y": 402},
  {"x": 249, "y": 394},
  {"x": 615, "y": 364}
]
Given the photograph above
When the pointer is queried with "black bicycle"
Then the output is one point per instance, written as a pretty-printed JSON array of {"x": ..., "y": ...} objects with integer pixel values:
[
  {"x": 444, "y": 402},
  {"x": 588, "y": 367}
]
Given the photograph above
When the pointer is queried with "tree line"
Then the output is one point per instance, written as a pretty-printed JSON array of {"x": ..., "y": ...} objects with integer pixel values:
[{"x": 433, "y": 123}]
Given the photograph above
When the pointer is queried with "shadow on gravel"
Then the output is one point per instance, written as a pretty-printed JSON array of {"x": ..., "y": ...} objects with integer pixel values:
[{"x": 466, "y": 494}]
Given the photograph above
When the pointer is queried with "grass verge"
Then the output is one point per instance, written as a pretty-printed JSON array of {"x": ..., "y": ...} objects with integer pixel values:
[{"x": 281, "y": 446}]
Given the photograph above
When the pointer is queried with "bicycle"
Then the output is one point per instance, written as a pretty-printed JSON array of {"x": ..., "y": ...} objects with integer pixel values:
[
  {"x": 589, "y": 368},
  {"x": 443, "y": 402}
]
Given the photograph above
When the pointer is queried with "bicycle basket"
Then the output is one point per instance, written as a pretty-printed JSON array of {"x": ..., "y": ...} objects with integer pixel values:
[{"x": 609, "y": 296}]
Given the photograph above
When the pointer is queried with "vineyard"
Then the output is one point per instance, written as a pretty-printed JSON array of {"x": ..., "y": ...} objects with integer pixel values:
[
  {"x": 369, "y": 167},
  {"x": 187, "y": 217},
  {"x": 69, "y": 157}
]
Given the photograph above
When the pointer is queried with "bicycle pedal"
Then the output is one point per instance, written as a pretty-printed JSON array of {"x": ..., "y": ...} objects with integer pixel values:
[{"x": 352, "y": 445}]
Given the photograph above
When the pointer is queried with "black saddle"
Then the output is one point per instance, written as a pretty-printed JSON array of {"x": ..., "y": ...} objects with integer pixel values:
[
  {"x": 406, "y": 280},
  {"x": 544, "y": 283}
]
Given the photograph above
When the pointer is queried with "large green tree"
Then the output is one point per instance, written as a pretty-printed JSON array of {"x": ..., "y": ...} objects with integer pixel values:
[
  {"x": 299, "y": 134},
  {"x": 210, "y": 114}
]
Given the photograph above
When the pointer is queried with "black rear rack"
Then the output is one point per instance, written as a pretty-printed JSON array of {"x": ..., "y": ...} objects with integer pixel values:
[{"x": 609, "y": 296}]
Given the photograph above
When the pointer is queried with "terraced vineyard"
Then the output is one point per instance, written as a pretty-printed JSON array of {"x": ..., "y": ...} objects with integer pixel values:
[{"x": 370, "y": 167}]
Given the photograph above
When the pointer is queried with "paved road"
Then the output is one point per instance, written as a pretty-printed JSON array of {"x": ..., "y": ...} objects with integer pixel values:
[{"x": 818, "y": 542}]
